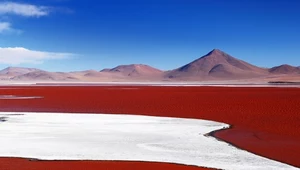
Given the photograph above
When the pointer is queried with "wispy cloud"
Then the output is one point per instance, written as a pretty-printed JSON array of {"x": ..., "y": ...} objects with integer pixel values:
[
  {"x": 20, "y": 55},
  {"x": 4, "y": 26},
  {"x": 19, "y": 9},
  {"x": 22, "y": 9}
]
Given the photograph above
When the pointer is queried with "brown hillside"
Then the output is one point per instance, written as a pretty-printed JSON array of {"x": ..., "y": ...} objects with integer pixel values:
[
  {"x": 217, "y": 65},
  {"x": 134, "y": 70},
  {"x": 285, "y": 69}
]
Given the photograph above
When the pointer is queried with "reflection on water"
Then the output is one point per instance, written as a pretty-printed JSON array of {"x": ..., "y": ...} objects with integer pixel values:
[{"x": 7, "y": 97}]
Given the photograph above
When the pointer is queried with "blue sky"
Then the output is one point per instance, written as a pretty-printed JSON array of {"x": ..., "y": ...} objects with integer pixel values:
[{"x": 65, "y": 35}]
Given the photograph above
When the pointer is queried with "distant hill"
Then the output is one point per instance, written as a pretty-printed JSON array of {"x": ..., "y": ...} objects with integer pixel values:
[
  {"x": 135, "y": 70},
  {"x": 44, "y": 75},
  {"x": 216, "y": 65},
  {"x": 285, "y": 69},
  {"x": 15, "y": 71}
]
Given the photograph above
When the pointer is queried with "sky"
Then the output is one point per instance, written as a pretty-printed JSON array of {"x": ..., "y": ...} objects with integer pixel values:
[{"x": 72, "y": 35}]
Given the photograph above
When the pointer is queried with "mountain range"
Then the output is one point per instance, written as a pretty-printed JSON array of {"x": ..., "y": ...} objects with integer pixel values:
[{"x": 216, "y": 65}]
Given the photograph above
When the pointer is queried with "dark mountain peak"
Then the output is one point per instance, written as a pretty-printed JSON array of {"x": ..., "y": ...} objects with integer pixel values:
[
  {"x": 215, "y": 57},
  {"x": 216, "y": 51},
  {"x": 217, "y": 54}
]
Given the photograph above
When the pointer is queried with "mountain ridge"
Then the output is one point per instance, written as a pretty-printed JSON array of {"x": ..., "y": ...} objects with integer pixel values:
[{"x": 215, "y": 65}]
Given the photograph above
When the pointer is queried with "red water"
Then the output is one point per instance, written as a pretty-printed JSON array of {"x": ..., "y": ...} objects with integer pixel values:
[{"x": 265, "y": 119}]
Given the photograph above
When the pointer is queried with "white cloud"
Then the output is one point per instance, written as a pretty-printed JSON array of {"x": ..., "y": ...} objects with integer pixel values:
[
  {"x": 20, "y": 55},
  {"x": 26, "y": 10}
]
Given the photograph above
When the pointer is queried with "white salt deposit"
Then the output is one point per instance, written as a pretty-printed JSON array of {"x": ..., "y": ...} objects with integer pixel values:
[{"x": 52, "y": 136}]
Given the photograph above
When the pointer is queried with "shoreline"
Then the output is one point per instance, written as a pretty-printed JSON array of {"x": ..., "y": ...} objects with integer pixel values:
[
  {"x": 214, "y": 135},
  {"x": 17, "y": 163}
]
